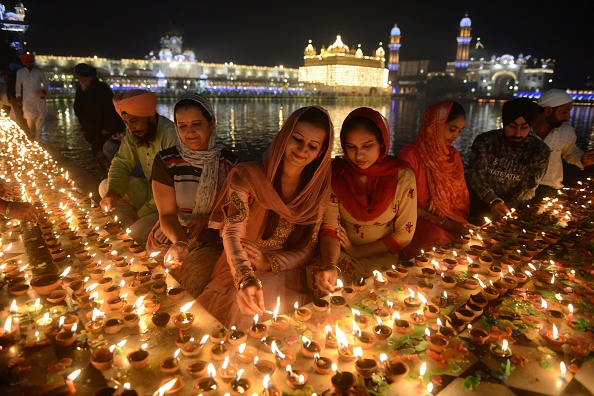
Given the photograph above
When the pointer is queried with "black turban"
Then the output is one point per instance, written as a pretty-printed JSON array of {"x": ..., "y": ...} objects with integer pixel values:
[
  {"x": 84, "y": 70},
  {"x": 516, "y": 108}
]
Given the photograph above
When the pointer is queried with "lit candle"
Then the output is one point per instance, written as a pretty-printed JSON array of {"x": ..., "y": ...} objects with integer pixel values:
[
  {"x": 563, "y": 370},
  {"x": 570, "y": 316},
  {"x": 422, "y": 371},
  {"x": 70, "y": 381}
]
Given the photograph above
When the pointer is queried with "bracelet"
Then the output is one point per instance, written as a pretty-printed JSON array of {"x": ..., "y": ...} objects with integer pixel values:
[
  {"x": 328, "y": 267},
  {"x": 184, "y": 242},
  {"x": 495, "y": 201},
  {"x": 241, "y": 274},
  {"x": 7, "y": 209},
  {"x": 250, "y": 281}
]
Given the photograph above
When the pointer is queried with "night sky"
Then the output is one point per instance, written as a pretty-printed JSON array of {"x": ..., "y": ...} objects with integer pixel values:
[{"x": 273, "y": 33}]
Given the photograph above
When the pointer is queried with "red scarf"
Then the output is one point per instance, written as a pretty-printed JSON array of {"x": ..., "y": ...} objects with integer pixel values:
[
  {"x": 445, "y": 172},
  {"x": 367, "y": 201}
]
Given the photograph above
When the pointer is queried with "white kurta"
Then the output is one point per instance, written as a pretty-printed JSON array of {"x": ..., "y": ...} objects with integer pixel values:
[
  {"x": 29, "y": 86},
  {"x": 561, "y": 141}
]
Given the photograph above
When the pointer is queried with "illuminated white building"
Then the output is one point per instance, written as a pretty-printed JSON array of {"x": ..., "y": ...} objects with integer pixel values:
[
  {"x": 341, "y": 69},
  {"x": 497, "y": 76}
]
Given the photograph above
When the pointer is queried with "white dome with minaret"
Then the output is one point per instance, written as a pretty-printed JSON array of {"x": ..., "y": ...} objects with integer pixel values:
[
  {"x": 465, "y": 22},
  {"x": 395, "y": 31}
]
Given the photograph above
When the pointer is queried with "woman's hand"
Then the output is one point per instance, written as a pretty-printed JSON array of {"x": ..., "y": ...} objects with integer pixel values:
[
  {"x": 196, "y": 226},
  {"x": 23, "y": 211},
  {"x": 325, "y": 280},
  {"x": 258, "y": 260},
  {"x": 345, "y": 242},
  {"x": 177, "y": 253},
  {"x": 250, "y": 300}
]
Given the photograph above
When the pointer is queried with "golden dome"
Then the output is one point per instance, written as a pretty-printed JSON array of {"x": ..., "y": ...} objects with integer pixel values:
[
  {"x": 359, "y": 52},
  {"x": 380, "y": 52},
  {"x": 338, "y": 47},
  {"x": 310, "y": 50}
]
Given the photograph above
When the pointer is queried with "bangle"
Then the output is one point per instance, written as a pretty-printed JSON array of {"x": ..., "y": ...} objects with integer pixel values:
[
  {"x": 250, "y": 281},
  {"x": 7, "y": 209},
  {"x": 329, "y": 267},
  {"x": 443, "y": 221},
  {"x": 494, "y": 201},
  {"x": 184, "y": 242}
]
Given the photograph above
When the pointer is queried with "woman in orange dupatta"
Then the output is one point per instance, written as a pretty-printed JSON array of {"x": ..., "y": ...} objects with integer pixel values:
[
  {"x": 269, "y": 213},
  {"x": 372, "y": 211},
  {"x": 442, "y": 196}
]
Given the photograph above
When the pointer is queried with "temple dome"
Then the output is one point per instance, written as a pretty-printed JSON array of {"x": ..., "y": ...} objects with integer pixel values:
[
  {"x": 310, "y": 50},
  {"x": 465, "y": 22},
  {"x": 395, "y": 31},
  {"x": 338, "y": 47},
  {"x": 380, "y": 52}
]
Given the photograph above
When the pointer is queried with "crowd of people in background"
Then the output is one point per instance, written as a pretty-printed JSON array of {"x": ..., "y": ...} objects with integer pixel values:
[{"x": 238, "y": 235}]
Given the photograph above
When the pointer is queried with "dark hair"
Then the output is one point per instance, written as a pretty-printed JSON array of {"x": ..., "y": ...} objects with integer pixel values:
[
  {"x": 301, "y": 235},
  {"x": 356, "y": 122},
  {"x": 456, "y": 111},
  {"x": 185, "y": 103}
]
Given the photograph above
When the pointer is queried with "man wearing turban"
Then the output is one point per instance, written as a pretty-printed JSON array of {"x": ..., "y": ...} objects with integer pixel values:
[
  {"x": 148, "y": 133},
  {"x": 551, "y": 126},
  {"x": 506, "y": 165},
  {"x": 93, "y": 106},
  {"x": 31, "y": 88}
]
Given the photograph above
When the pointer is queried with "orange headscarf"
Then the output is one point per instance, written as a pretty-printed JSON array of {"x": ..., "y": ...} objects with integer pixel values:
[
  {"x": 306, "y": 208},
  {"x": 445, "y": 172},
  {"x": 27, "y": 58},
  {"x": 136, "y": 102},
  {"x": 367, "y": 201}
]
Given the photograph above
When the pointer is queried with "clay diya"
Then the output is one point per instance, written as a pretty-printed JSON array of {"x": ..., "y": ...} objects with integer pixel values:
[
  {"x": 283, "y": 358},
  {"x": 478, "y": 336},
  {"x": 263, "y": 368},
  {"x": 302, "y": 314},
  {"x": 296, "y": 379},
  {"x": 246, "y": 354},
  {"x": 184, "y": 319},
  {"x": 197, "y": 368},
  {"x": 102, "y": 359},
  {"x": 437, "y": 342},
  {"x": 342, "y": 381},
  {"x": 176, "y": 293},
  {"x": 138, "y": 359},
  {"x": 366, "y": 367},
  {"x": 322, "y": 365},
  {"x": 218, "y": 352},
  {"x": 381, "y": 331},
  {"x": 348, "y": 292},
  {"x": 257, "y": 330},
  {"x": 448, "y": 282},
  {"x": 321, "y": 305},
  {"x": 501, "y": 351},
  {"x": 268, "y": 341},
  {"x": 170, "y": 364},
  {"x": 240, "y": 386},
  {"x": 227, "y": 371},
  {"x": 309, "y": 348},
  {"x": 218, "y": 335},
  {"x": 160, "y": 318},
  {"x": 337, "y": 301},
  {"x": 193, "y": 347},
  {"x": 237, "y": 337},
  {"x": 396, "y": 371}
]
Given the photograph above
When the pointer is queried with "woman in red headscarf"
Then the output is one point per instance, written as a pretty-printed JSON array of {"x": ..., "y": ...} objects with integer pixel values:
[
  {"x": 269, "y": 213},
  {"x": 442, "y": 195},
  {"x": 372, "y": 209}
]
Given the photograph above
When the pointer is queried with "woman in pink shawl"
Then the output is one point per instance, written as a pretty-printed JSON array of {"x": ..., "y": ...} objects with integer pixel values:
[
  {"x": 442, "y": 196},
  {"x": 269, "y": 213}
]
